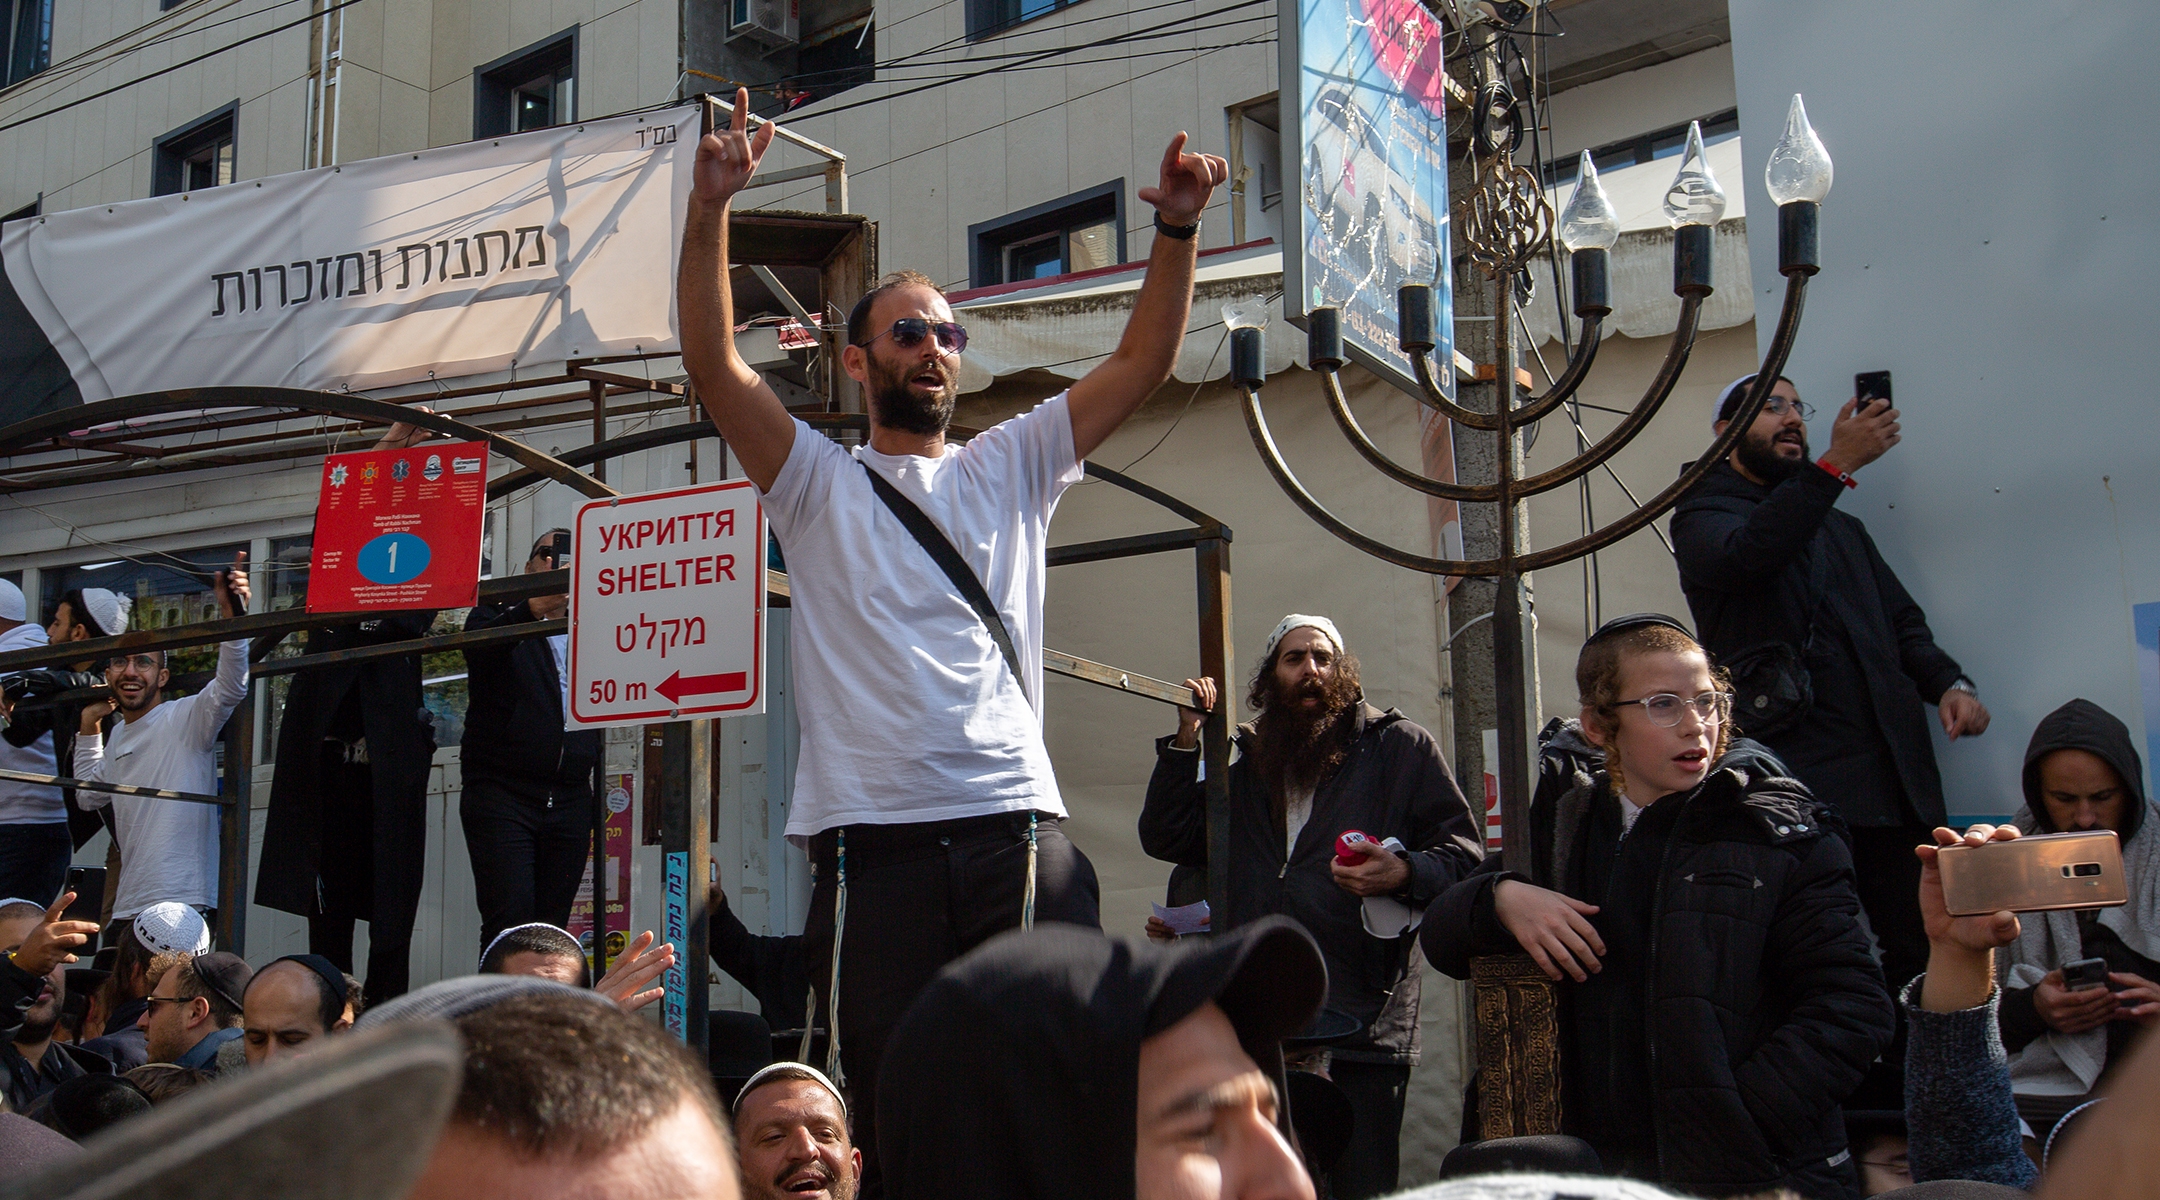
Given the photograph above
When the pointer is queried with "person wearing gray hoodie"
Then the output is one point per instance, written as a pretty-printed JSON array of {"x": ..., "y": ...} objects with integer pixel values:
[{"x": 2082, "y": 772}]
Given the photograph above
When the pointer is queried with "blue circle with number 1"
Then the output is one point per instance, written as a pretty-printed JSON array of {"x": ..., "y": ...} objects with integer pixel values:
[{"x": 393, "y": 558}]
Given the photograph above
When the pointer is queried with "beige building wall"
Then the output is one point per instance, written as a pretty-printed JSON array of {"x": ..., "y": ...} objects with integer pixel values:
[{"x": 403, "y": 80}]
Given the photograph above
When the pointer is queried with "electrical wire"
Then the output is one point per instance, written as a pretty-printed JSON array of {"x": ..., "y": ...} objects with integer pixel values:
[
  {"x": 61, "y": 73},
  {"x": 911, "y": 57}
]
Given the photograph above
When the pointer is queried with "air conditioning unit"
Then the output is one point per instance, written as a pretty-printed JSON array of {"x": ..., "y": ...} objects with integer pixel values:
[{"x": 768, "y": 22}]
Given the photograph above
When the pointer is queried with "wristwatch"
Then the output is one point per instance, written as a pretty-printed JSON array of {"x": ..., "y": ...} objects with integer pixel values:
[
  {"x": 1183, "y": 233},
  {"x": 1962, "y": 684}
]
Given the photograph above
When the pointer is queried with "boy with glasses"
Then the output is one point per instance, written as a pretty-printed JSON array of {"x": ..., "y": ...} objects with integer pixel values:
[
  {"x": 1718, "y": 1000},
  {"x": 169, "y": 848}
]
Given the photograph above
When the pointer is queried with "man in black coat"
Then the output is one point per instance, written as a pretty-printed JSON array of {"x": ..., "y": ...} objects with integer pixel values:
[
  {"x": 1766, "y": 558},
  {"x": 345, "y": 839},
  {"x": 529, "y": 797},
  {"x": 1320, "y": 762}
]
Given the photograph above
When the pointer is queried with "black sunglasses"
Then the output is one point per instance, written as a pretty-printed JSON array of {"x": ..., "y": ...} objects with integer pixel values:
[{"x": 909, "y": 332}]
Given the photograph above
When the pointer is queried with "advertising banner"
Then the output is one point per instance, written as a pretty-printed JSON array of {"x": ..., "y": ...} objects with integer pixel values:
[
  {"x": 476, "y": 257},
  {"x": 399, "y": 529},
  {"x": 1365, "y": 152},
  {"x": 606, "y": 940}
]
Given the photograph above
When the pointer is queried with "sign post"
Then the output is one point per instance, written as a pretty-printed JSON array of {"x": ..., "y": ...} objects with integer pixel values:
[
  {"x": 399, "y": 529},
  {"x": 667, "y": 624},
  {"x": 667, "y": 606}
]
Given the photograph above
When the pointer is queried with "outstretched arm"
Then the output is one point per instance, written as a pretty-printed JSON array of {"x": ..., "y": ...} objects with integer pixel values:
[
  {"x": 742, "y": 406},
  {"x": 1101, "y": 401}
]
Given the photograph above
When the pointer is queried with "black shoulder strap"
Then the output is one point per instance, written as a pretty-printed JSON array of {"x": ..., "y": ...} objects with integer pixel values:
[{"x": 941, "y": 551}]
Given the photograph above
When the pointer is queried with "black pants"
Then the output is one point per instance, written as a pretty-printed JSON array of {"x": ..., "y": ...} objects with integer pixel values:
[
  {"x": 1377, "y": 1092},
  {"x": 34, "y": 861},
  {"x": 369, "y": 870},
  {"x": 920, "y": 896},
  {"x": 1889, "y": 881},
  {"x": 528, "y": 854}
]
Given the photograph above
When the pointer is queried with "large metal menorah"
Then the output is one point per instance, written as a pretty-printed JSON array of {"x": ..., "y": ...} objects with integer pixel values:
[{"x": 1505, "y": 223}]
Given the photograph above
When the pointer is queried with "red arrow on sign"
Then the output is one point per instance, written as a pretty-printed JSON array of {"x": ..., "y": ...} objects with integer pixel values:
[{"x": 676, "y": 686}]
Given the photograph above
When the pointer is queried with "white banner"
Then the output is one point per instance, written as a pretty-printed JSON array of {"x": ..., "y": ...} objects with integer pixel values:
[{"x": 533, "y": 248}]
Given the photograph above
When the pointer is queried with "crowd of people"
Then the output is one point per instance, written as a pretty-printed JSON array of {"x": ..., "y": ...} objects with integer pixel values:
[{"x": 1732, "y": 876}]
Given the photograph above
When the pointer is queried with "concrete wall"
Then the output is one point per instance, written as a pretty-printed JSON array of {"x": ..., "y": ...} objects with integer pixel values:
[
  {"x": 2000, "y": 269},
  {"x": 1623, "y": 106}
]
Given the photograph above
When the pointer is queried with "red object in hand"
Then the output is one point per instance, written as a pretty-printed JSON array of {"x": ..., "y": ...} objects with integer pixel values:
[{"x": 1343, "y": 852}]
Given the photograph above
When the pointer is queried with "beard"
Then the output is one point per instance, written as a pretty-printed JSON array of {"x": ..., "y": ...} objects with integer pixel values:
[
  {"x": 44, "y": 1017},
  {"x": 895, "y": 404},
  {"x": 1759, "y": 454},
  {"x": 1298, "y": 746}
]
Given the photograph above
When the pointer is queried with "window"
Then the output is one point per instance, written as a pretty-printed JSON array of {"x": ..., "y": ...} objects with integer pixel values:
[
  {"x": 28, "y": 210},
  {"x": 25, "y": 39},
  {"x": 1079, "y": 232},
  {"x": 163, "y": 590},
  {"x": 832, "y": 61},
  {"x": 1256, "y": 183},
  {"x": 531, "y": 88},
  {"x": 1649, "y": 147},
  {"x": 197, "y": 155},
  {"x": 987, "y": 17}
]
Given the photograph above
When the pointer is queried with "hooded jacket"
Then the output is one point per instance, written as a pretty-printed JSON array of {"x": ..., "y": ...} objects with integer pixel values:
[
  {"x": 2043, "y": 1060},
  {"x": 1015, "y": 1074},
  {"x": 514, "y": 732},
  {"x": 1761, "y": 1002},
  {"x": 1392, "y": 783},
  {"x": 1747, "y": 558}
]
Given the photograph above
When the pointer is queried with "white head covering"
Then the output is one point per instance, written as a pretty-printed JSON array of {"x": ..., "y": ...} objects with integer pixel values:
[
  {"x": 12, "y": 607},
  {"x": 109, "y": 609},
  {"x": 569, "y": 943},
  {"x": 791, "y": 1070},
  {"x": 1302, "y": 621},
  {"x": 171, "y": 927}
]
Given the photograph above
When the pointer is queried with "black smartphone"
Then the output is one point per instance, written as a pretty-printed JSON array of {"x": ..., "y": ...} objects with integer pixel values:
[
  {"x": 1871, "y": 385},
  {"x": 559, "y": 548},
  {"x": 2085, "y": 974}
]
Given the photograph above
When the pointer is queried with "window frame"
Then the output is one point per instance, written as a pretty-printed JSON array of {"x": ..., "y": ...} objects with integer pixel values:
[
  {"x": 985, "y": 20},
  {"x": 10, "y": 31},
  {"x": 496, "y": 84},
  {"x": 989, "y": 241},
  {"x": 173, "y": 152}
]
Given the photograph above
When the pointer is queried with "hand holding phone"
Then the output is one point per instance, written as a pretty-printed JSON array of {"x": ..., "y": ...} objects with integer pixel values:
[
  {"x": 2034, "y": 874},
  {"x": 2085, "y": 974}
]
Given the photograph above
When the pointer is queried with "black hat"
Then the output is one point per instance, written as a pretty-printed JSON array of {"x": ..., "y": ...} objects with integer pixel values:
[
  {"x": 737, "y": 1046},
  {"x": 1332, "y": 1025},
  {"x": 224, "y": 973},
  {"x": 1543, "y": 1153},
  {"x": 355, "y": 1121},
  {"x": 1636, "y": 621},
  {"x": 1955, "y": 1189},
  {"x": 1322, "y": 1116},
  {"x": 88, "y": 1103}
]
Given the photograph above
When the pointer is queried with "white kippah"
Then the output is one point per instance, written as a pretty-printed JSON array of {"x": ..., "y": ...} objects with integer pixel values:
[
  {"x": 109, "y": 609},
  {"x": 12, "y": 607},
  {"x": 1302, "y": 621},
  {"x": 571, "y": 945},
  {"x": 171, "y": 927},
  {"x": 791, "y": 1070}
]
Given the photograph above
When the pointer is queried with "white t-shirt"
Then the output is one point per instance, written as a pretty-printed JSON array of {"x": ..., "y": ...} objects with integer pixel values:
[
  {"x": 907, "y": 709},
  {"x": 29, "y": 803},
  {"x": 168, "y": 848}
]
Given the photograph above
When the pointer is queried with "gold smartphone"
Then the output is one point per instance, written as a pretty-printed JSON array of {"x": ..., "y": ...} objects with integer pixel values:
[{"x": 2034, "y": 874}]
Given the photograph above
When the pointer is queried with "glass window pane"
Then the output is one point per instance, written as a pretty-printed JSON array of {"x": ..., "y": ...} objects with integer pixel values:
[
  {"x": 224, "y": 164},
  {"x": 164, "y": 590},
  {"x": 1092, "y": 246},
  {"x": 1035, "y": 258}
]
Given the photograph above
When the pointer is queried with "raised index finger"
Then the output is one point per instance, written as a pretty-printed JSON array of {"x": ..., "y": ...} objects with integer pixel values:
[
  {"x": 1173, "y": 156},
  {"x": 740, "y": 119},
  {"x": 59, "y": 907}
]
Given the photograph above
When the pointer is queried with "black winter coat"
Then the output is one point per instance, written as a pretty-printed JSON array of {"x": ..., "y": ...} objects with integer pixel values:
[
  {"x": 401, "y": 751},
  {"x": 1745, "y": 554},
  {"x": 514, "y": 734},
  {"x": 62, "y": 719},
  {"x": 1393, "y": 783},
  {"x": 1765, "y": 1006}
]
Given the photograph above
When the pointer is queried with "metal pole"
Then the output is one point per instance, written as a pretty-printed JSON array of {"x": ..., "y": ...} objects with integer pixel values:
[
  {"x": 1211, "y": 559},
  {"x": 233, "y": 832},
  {"x": 685, "y": 787},
  {"x": 1510, "y": 686},
  {"x": 599, "y": 426}
]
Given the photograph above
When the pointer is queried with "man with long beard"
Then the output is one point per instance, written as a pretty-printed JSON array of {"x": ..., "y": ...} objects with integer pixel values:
[
  {"x": 1773, "y": 573},
  {"x": 923, "y": 792},
  {"x": 1319, "y": 762}
]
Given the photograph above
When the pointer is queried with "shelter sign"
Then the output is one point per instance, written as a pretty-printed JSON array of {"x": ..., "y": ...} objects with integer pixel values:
[
  {"x": 476, "y": 257},
  {"x": 399, "y": 529},
  {"x": 1366, "y": 142},
  {"x": 667, "y": 606}
]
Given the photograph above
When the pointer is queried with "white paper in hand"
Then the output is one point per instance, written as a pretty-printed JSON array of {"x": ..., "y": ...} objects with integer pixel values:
[{"x": 1184, "y": 919}]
